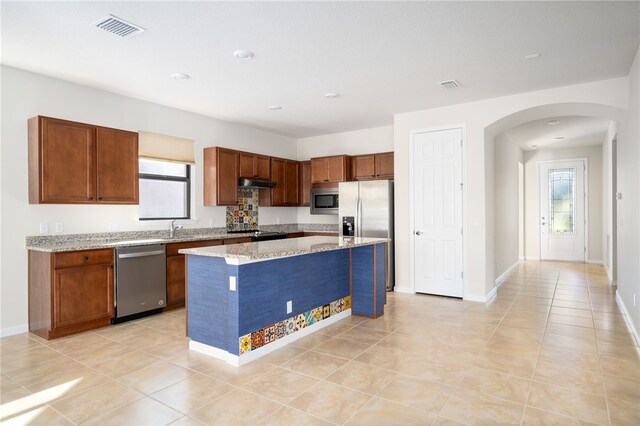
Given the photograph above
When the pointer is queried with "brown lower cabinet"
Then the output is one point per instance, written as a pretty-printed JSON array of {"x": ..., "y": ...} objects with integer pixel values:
[{"x": 70, "y": 292}]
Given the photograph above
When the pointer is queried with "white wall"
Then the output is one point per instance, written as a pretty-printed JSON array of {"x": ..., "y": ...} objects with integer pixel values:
[
  {"x": 607, "y": 200},
  {"x": 25, "y": 95},
  {"x": 367, "y": 141},
  {"x": 476, "y": 116},
  {"x": 628, "y": 177},
  {"x": 532, "y": 197},
  {"x": 508, "y": 157}
]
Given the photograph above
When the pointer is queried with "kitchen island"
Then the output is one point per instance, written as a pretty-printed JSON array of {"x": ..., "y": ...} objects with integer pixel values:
[{"x": 246, "y": 300}]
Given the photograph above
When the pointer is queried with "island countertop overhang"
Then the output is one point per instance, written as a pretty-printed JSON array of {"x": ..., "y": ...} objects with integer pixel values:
[{"x": 265, "y": 250}]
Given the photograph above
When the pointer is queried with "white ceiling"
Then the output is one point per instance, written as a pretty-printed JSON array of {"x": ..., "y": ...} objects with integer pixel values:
[
  {"x": 382, "y": 57},
  {"x": 577, "y": 131}
]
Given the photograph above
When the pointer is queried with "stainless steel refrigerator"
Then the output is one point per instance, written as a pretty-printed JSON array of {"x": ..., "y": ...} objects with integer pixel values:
[{"x": 365, "y": 209}]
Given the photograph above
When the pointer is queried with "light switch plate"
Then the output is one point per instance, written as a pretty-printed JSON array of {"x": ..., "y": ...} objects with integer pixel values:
[
  {"x": 232, "y": 284},
  {"x": 289, "y": 306},
  {"x": 59, "y": 228},
  {"x": 44, "y": 228}
]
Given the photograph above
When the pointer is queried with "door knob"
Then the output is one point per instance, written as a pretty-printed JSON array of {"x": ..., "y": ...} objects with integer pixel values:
[{"x": 418, "y": 232}]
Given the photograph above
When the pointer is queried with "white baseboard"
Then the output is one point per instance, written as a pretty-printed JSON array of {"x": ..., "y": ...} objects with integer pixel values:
[
  {"x": 237, "y": 361},
  {"x": 505, "y": 274},
  {"x": 596, "y": 261},
  {"x": 522, "y": 258},
  {"x": 402, "y": 290},
  {"x": 532, "y": 258},
  {"x": 11, "y": 331},
  {"x": 482, "y": 299},
  {"x": 627, "y": 317}
]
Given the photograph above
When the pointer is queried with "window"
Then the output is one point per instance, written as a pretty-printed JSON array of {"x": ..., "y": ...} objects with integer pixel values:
[
  {"x": 562, "y": 201},
  {"x": 165, "y": 190}
]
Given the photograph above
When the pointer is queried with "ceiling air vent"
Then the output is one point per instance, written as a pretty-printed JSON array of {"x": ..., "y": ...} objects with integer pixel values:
[
  {"x": 119, "y": 27},
  {"x": 450, "y": 84}
]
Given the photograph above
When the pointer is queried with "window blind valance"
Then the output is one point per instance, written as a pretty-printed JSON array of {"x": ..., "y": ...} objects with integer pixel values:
[{"x": 167, "y": 148}]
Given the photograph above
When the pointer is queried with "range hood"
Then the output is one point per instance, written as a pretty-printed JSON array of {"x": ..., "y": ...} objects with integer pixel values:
[{"x": 255, "y": 183}]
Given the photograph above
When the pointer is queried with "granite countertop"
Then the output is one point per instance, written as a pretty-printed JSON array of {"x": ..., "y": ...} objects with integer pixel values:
[
  {"x": 72, "y": 242},
  {"x": 282, "y": 248}
]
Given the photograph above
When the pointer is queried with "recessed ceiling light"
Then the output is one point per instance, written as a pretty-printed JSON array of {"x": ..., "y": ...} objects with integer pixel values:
[
  {"x": 331, "y": 95},
  {"x": 532, "y": 56},
  {"x": 181, "y": 76},
  {"x": 243, "y": 54},
  {"x": 559, "y": 138},
  {"x": 553, "y": 122},
  {"x": 534, "y": 146},
  {"x": 275, "y": 107}
]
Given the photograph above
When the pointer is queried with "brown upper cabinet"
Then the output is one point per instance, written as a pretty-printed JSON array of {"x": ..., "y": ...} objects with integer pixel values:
[
  {"x": 305, "y": 183},
  {"x": 221, "y": 173},
  {"x": 286, "y": 174},
  {"x": 254, "y": 165},
  {"x": 336, "y": 168},
  {"x": 77, "y": 163},
  {"x": 373, "y": 166}
]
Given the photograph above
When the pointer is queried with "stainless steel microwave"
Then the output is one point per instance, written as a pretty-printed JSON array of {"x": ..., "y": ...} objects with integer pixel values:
[{"x": 324, "y": 200}]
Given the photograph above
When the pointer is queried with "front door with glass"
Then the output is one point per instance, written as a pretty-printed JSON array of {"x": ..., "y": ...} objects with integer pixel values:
[{"x": 562, "y": 210}]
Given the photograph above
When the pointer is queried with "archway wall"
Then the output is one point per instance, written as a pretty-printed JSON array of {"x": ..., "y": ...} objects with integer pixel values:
[{"x": 482, "y": 120}]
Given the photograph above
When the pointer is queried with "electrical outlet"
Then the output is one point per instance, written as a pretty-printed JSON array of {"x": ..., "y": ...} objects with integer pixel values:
[
  {"x": 232, "y": 283},
  {"x": 277, "y": 220},
  {"x": 210, "y": 223},
  {"x": 59, "y": 228},
  {"x": 289, "y": 306},
  {"x": 113, "y": 226},
  {"x": 44, "y": 228}
]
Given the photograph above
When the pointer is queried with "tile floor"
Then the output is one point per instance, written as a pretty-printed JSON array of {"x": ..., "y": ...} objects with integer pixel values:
[{"x": 551, "y": 348}]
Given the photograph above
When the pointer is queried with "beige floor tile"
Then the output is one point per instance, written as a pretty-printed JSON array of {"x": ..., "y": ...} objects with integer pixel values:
[
  {"x": 512, "y": 388},
  {"x": 443, "y": 421},
  {"x": 620, "y": 367},
  {"x": 155, "y": 377},
  {"x": 569, "y": 320},
  {"x": 382, "y": 412},
  {"x": 145, "y": 411},
  {"x": 569, "y": 374},
  {"x": 237, "y": 376},
  {"x": 624, "y": 412},
  {"x": 169, "y": 350},
  {"x": 29, "y": 358},
  {"x": 196, "y": 361},
  {"x": 630, "y": 353},
  {"x": 96, "y": 401},
  {"x": 74, "y": 381},
  {"x": 78, "y": 344},
  {"x": 18, "y": 343},
  {"x": 343, "y": 348},
  {"x": 510, "y": 346},
  {"x": 536, "y": 417},
  {"x": 192, "y": 393},
  {"x": 434, "y": 371},
  {"x": 280, "y": 385},
  {"x": 283, "y": 355},
  {"x": 187, "y": 421},
  {"x": 626, "y": 389},
  {"x": 315, "y": 339},
  {"x": 417, "y": 393},
  {"x": 40, "y": 415},
  {"x": 315, "y": 364},
  {"x": 619, "y": 338},
  {"x": 390, "y": 359},
  {"x": 475, "y": 408},
  {"x": 363, "y": 334},
  {"x": 572, "y": 403},
  {"x": 288, "y": 416},
  {"x": 103, "y": 354},
  {"x": 128, "y": 362},
  {"x": 362, "y": 377},
  {"x": 571, "y": 312},
  {"x": 569, "y": 330},
  {"x": 521, "y": 365},
  {"x": 330, "y": 402},
  {"x": 43, "y": 371},
  {"x": 580, "y": 344},
  {"x": 236, "y": 408},
  {"x": 571, "y": 304}
]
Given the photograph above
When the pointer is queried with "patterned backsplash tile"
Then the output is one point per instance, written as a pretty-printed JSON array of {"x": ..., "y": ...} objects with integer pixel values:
[{"x": 244, "y": 217}]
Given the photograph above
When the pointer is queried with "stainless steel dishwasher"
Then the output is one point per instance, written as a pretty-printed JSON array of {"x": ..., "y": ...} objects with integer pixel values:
[{"x": 141, "y": 286}]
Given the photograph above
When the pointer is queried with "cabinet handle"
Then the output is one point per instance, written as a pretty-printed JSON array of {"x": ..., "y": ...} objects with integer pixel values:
[
  {"x": 255, "y": 175},
  {"x": 326, "y": 180},
  {"x": 85, "y": 258},
  {"x": 373, "y": 175}
]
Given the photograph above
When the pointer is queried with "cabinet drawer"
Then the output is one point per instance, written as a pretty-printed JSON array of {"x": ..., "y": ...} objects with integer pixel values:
[
  {"x": 173, "y": 248},
  {"x": 238, "y": 240},
  {"x": 82, "y": 258}
]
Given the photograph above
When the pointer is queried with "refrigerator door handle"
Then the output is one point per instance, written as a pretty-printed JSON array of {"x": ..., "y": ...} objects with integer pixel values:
[{"x": 359, "y": 218}]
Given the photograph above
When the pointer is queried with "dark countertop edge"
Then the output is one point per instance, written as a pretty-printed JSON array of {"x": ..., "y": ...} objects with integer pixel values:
[{"x": 284, "y": 253}]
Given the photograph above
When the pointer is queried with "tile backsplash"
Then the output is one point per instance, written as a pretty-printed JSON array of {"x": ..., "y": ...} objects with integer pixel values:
[{"x": 244, "y": 216}]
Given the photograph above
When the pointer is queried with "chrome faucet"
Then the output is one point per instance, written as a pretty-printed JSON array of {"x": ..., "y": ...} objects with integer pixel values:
[{"x": 173, "y": 228}]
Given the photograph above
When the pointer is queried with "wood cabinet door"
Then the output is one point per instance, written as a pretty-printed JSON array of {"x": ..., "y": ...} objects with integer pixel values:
[
  {"x": 337, "y": 169},
  {"x": 263, "y": 167},
  {"x": 82, "y": 294},
  {"x": 117, "y": 166},
  {"x": 227, "y": 177},
  {"x": 292, "y": 178},
  {"x": 278, "y": 175},
  {"x": 176, "y": 292},
  {"x": 305, "y": 183},
  {"x": 384, "y": 165},
  {"x": 246, "y": 165},
  {"x": 319, "y": 172},
  {"x": 67, "y": 162},
  {"x": 364, "y": 167}
]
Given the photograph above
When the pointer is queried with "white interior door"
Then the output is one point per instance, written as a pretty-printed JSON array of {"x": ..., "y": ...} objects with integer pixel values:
[
  {"x": 437, "y": 195},
  {"x": 562, "y": 215}
]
